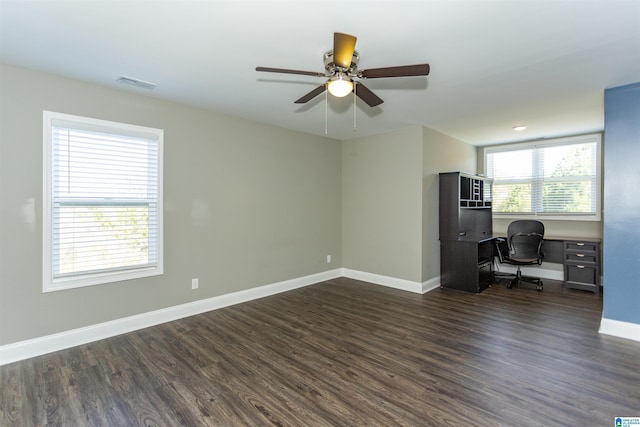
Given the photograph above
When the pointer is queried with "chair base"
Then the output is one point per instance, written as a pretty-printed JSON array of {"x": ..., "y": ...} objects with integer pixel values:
[{"x": 518, "y": 278}]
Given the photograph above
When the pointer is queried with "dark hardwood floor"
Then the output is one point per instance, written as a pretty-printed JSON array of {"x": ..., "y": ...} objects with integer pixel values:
[{"x": 345, "y": 353}]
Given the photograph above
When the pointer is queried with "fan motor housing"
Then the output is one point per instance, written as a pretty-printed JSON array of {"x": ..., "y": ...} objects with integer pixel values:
[{"x": 333, "y": 69}]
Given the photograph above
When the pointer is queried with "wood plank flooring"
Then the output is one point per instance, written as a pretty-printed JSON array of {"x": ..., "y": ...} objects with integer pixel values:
[{"x": 345, "y": 353}]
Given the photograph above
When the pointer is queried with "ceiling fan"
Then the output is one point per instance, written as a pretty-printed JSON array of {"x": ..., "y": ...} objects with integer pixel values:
[{"x": 341, "y": 70}]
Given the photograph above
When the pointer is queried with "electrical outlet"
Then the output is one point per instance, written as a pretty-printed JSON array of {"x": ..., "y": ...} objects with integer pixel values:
[
  {"x": 194, "y": 283},
  {"x": 328, "y": 259}
]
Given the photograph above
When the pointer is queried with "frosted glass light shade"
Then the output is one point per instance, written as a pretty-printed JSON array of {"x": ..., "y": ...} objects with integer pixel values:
[{"x": 340, "y": 87}]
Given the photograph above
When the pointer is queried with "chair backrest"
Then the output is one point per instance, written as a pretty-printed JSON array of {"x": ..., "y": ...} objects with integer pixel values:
[{"x": 524, "y": 239}]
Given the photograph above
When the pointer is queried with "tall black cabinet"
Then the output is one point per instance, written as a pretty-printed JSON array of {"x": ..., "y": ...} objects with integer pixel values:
[{"x": 466, "y": 232}]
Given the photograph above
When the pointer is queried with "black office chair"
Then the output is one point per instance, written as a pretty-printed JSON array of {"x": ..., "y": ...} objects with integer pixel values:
[{"x": 523, "y": 247}]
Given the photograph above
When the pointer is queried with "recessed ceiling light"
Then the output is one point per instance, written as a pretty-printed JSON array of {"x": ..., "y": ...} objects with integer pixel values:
[{"x": 519, "y": 128}]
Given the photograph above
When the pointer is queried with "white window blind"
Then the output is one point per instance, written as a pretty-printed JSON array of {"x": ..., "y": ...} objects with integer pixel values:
[
  {"x": 556, "y": 178},
  {"x": 103, "y": 189}
]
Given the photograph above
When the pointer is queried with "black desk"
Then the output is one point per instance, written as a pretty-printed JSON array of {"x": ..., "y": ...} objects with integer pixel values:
[{"x": 579, "y": 257}]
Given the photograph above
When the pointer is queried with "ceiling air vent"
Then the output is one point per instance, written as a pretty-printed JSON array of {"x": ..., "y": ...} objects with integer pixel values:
[{"x": 135, "y": 82}]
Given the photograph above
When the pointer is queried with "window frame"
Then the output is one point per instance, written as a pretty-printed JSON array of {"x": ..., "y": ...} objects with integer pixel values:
[
  {"x": 77, "y": 280},
  {"x": 536, "y": 189}
]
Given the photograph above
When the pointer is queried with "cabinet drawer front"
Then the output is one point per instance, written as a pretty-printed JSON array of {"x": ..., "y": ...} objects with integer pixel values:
[
  {"x": 580, "y": 257},
  {"x": 581, "y": 246},
  {"x": 579, "y": 273}
]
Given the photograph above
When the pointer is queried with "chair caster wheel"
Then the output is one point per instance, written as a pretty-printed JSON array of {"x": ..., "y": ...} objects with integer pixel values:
[
  {"x": 539, "y": 287},
  {"x": 509, "y": 285}
]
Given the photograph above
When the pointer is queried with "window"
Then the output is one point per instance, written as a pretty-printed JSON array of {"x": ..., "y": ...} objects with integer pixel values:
[
  {"x": 554, "y": 179},
  {"x": 102, "y": 218}
]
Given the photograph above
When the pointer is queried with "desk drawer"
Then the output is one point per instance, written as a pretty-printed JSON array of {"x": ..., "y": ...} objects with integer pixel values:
[
  {"x": 581, "y": 247},
  {"x": 587, "y": 258},
  {"x": 581, "y": 273},
  {"x": 581, "y": 276}
]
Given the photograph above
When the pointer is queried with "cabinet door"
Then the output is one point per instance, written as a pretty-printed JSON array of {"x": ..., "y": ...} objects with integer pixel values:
[{"x": 459, "y": 266}]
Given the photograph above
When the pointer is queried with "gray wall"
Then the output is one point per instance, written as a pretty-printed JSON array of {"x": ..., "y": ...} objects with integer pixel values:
[
  {"x": 246, "y": 204},
  {"x": 382, "y": 204},
  {"x": 390, "y": 200}
]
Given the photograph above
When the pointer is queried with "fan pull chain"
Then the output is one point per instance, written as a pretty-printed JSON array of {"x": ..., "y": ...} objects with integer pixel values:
[
  {"x": 354, "y": 106},
  {"x": 326, "y": 109}
]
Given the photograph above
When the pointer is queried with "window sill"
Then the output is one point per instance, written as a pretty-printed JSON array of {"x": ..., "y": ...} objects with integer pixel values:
[
  {"x": 98, "y": 279},
  {"x": 593, "y": 218}
]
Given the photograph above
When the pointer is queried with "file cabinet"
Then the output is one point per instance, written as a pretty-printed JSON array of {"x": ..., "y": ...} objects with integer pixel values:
[{"x": 582, "y": 265}]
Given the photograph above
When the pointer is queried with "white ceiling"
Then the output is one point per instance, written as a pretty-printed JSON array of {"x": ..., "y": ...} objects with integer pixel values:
[{"x": 494, "y": 64}]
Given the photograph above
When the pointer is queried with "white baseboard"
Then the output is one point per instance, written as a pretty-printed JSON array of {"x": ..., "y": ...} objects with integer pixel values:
[
  {"x": 630, "y": 331},
  {"x": 42, "y": 345},
  {"x": 391, "y": 282},
  {"x": 430, "y": 285}
]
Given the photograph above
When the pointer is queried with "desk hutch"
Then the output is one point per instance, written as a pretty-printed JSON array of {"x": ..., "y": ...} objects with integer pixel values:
[{"x": 466, "y": 251}]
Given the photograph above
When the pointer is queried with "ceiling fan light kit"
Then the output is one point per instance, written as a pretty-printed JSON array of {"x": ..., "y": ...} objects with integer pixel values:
[{"x": 340, "y": 86}]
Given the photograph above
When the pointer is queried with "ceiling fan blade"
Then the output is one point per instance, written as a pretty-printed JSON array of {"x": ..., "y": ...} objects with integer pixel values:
[
  {"x": 308, "y": 97},
  {"x": 343, "y": 47},
  {"x": 286, "y": 71},
  {"x": 401, "y": 71},
  {"x": 367, "y": 96}
]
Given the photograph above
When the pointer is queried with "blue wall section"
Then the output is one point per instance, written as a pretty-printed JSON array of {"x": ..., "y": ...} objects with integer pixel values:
[{"x": 621, "y": 255}]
